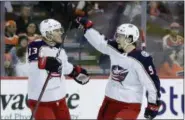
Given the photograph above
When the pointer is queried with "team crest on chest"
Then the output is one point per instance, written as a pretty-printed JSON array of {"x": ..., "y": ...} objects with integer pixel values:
[{"x": 118, "y": 73}]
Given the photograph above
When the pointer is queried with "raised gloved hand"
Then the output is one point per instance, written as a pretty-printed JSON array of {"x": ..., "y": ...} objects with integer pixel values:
[
  {"x": 151, "y": 110},
  {"x": 80, "y": 75},
  {"x": 85, "y": 22},
  {"x": 50, "y": 64}
]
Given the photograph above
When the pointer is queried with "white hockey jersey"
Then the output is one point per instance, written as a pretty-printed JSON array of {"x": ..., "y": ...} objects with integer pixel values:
[
  {"x": 129, "y": 74},
  {"x": 55, "y": 89}
]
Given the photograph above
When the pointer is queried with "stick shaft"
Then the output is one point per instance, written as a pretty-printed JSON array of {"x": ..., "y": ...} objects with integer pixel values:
[{"x": 40, "y": 96}]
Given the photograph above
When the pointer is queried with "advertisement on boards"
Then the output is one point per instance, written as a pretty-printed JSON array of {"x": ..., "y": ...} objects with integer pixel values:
[{"x": 84, "y": 101}]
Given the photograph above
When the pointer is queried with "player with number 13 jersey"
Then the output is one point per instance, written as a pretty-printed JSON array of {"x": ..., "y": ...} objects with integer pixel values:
[{"x": 47, "y": 56}]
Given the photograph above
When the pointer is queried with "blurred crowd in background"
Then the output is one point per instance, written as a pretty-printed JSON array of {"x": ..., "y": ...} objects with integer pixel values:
[{"x": 164, "y": 32}]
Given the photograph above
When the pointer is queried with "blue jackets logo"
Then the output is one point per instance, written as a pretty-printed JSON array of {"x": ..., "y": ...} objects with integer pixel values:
[{"x": 118, "y": 73}]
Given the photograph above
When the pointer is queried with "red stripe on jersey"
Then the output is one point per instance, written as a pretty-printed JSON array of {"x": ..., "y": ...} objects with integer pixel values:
[{"x": 42, "y": 63}]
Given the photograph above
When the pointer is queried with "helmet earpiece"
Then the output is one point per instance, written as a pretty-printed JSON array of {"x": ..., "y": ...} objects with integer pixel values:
[
  {"x": 49, "y": 38},
  {"x": 48, "y": 35},
  {"x": 130, "y": 39}
]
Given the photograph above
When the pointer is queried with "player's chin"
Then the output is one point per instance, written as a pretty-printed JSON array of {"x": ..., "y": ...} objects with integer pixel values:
[{"x": 59, "y": 40}]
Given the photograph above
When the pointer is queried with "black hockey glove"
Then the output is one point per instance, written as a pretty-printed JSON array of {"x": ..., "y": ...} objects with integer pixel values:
[
  {"x": 80, "y": 75},
  {"x": 85, "y": 22},
  {"x": 151, "y": 110},
  {"x": 50, "y": 64}
]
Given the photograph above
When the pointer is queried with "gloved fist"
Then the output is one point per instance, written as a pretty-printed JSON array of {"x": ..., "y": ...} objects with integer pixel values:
[
  {"x": 85, "y": 22},
  {"x": 151, "y": 110},
  {"x": 80, "y": 75},
  {"x": 50, "y": 64}
]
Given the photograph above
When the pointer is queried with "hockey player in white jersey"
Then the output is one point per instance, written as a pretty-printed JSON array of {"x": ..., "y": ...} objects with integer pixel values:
[
  {"x": 131, "y": 71},
  {"x": 46, "y": 56}
]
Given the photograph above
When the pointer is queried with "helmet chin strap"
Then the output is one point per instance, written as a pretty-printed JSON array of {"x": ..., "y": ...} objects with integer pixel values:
[
  {"x": 127, "y": 44},
  {"x": 127, "y": 49}
]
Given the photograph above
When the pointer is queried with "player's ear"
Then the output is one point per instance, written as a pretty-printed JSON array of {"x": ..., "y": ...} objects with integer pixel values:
[
  {"x": 48, "y": 35},
  {"x": 130, "y": 39}
]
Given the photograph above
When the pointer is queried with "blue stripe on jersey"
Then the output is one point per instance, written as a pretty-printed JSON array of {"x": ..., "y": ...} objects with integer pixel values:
[
  {"x": 33, "y": 49},
  {"x": 147, "y": 62}
]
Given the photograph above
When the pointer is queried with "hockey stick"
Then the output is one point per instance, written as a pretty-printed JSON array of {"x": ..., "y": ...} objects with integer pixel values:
[
  {"x": 48, "y": 77},
  {"x": 40, "y": 96},
  {"x": 143, "y": 25},
  {"x": 143, "y": 40},
  {"x": 70, "y": 24}
]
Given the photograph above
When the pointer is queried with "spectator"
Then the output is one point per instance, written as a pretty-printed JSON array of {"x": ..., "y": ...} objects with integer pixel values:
[
  {"x": 173, "y": 40},
  {"x": 154, "y": 10},
  {"x": 23, "y": 43},
  {"x": 8, "y": 65},
  {"x": 172, "y": 48},
  {"x": 11, "y": 39},
  {"x": 31, "y": 32},
  {"x": 24, "y": 19},
  {"x": 22, "y": 65},
  {"x": 173, "y": 66}
]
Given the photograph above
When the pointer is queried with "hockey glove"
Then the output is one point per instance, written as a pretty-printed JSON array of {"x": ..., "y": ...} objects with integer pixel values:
[
  {"x": 85, "y": 22},
  {"x": 151, "y": 110},
  {"x": 50, "y": 64},
  {"x": 80, "y": 75}
]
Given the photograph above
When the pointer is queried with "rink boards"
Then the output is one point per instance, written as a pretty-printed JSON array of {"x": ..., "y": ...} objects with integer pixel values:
[{"x": 85, "y": 101}]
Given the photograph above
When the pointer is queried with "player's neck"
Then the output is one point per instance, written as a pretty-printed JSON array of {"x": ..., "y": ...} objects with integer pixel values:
[
  {"x": 129, "y": 48},
  {"x": 49, "y": 42}
]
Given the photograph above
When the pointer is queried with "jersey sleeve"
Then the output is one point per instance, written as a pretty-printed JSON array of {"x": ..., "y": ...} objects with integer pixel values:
[
  {"x": 67, "y": 67},
  {"x": 149, "y": 79},
  {"x": 33, "y": 50},
  {"x": 97, "y": 40}
]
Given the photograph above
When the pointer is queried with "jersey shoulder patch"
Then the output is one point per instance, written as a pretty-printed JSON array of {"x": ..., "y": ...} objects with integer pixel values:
[
  {"x": 145, "y": 54},
  {"x": 140, "y": 55}
]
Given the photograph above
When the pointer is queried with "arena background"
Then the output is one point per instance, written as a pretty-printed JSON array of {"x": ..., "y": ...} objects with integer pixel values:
[{"x": 162, "y": 34}]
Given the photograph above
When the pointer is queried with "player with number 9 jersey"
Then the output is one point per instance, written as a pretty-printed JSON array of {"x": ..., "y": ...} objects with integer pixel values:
[{"x": 131, "y": 71}]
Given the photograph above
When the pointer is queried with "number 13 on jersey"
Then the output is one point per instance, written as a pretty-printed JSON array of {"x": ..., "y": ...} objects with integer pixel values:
[{"x": 32, "y": 51}]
